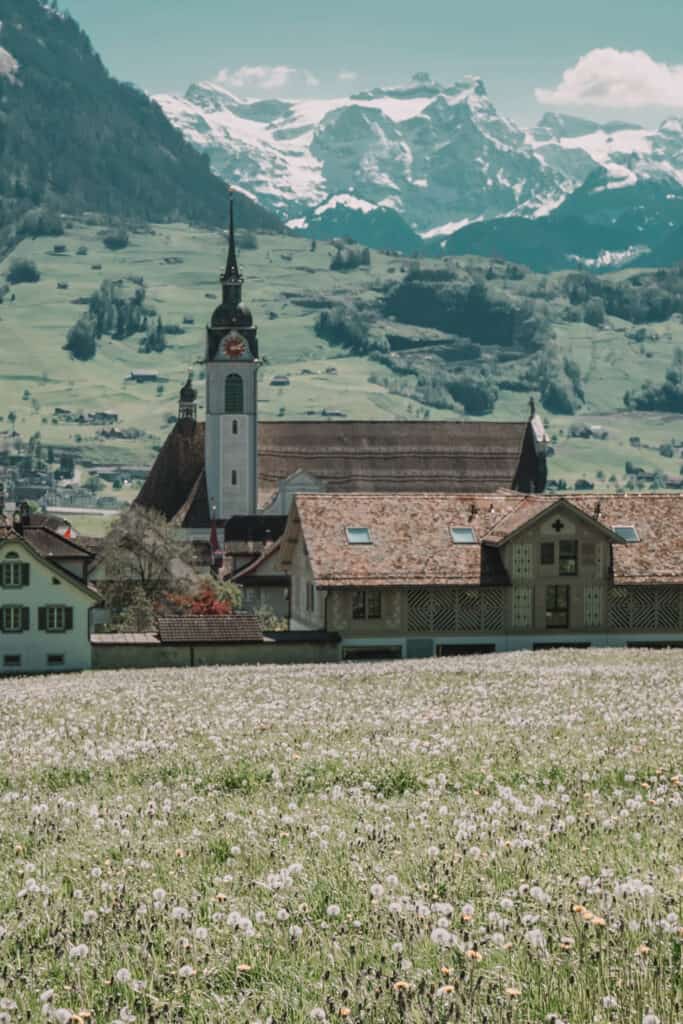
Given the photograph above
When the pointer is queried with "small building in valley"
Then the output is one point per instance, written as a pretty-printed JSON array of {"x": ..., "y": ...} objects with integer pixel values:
[{"x": 416, "y": 575}]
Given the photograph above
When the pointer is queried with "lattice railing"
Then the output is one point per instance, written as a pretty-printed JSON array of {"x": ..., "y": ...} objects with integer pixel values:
[
  {"x": 456, "y": 610},
  {"x": 645, "y": 609}
]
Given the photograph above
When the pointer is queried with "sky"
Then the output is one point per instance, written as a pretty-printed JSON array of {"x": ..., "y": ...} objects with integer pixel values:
[{"x": 602, "y": 59}]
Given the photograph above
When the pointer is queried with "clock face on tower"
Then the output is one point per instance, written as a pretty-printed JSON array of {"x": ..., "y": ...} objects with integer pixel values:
[{"x": 234, "y": 345}]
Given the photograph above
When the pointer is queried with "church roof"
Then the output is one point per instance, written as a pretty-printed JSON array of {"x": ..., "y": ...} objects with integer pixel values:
[{"x": 369, "y": 456}]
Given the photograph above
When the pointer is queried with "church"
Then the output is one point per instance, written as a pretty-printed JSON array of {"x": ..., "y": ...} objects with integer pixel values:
[{"x": 241, "y": 476}]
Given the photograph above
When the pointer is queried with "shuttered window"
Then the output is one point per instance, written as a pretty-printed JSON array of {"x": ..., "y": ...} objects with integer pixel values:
[
  {"x": 521, "y": 561},
  {"x": 592, "y": 606},
  {"x": 14, "y": 618},
  {"x": 55, "y": 619},
  {"x": 14, "y": 574},
  {"x": 522, "y": 607}
]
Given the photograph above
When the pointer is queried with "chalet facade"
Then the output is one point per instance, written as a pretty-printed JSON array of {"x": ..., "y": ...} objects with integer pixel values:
[
  {"x": 45, "y": 601},
  {"x": 421, "y": 575}
]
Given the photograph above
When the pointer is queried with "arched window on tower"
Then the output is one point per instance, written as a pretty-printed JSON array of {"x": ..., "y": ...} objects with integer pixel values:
[
  {"x": 234, "y": 393},
  {"x": 235, "y": 428}
]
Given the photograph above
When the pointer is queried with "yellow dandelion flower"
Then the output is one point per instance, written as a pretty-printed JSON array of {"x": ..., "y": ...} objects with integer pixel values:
[
  {"x": 467, "y": 917},
  {"x": 473, "y": 954},
  {"x": 642, "y": 950},
  {"x": 599, "y": 922},
  {"x": 180, "y": 853},
  {"x": 401, "y": 986},
  {"x": 445, "y": 990},
  {"x": 221, "y": 897},
  {"x": 243, "y": 967},
  {"x": 344, "y": 1012},
  {"x": 446, "y": 970},
  {"x": 578, "y": 908},
  {"x": 513, "y": 992}
]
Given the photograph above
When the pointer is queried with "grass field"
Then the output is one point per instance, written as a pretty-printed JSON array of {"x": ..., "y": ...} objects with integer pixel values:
[
  {"x": 493, "y": 839},
  {"x": 279, "y": 275}
]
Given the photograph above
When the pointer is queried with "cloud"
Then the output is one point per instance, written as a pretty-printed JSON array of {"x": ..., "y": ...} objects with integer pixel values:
[
  {"x": 347, "y": 76},
  {"x": 265, "y": 78},
  {"x": 617, "y": 78}
]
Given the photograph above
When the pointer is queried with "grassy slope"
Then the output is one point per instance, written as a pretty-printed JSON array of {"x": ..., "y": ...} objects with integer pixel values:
[
  {"x": 501, "y": 836},
  {"x": 32, "y": 331}
]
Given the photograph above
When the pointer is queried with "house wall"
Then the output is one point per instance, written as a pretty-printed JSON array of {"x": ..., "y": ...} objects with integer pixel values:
[
  {"x": 33, "y": 646},
  {"x": 301, "y": 615}
]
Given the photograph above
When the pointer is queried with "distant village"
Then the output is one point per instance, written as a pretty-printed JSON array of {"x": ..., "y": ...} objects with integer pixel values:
[{"x": 321, "y": 540}]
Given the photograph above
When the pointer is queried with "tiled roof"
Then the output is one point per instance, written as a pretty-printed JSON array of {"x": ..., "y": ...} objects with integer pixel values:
[
  {"x": 412, "y": 545},
  {"x": 374, "y": 456},
  {"x": 121, "y": 639},
  {"x": 240, "y": 628},
  {"x": 51, "y": 549}
]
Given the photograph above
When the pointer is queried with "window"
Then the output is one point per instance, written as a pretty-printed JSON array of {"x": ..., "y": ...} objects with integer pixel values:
[
  {"x": 234, "y": 393},
  {"x": 55, "y": 619},
  {"x": 14, "y": 573},
  {"x": 235, "y": 427},
  {"x": 463, "y": 535},
  {"x": 548, "y": 553},
  {"x": 627, "y": 533},
  {"x": 233, "y": 477},
  {"x": 557, "y": 607},
  {"x": 14, "y": 618},
  {"x": 310, "y": 597},
  {"x": 12, "y": 660},
  {"x": 568, "y": 558},
  {"x": 358, "y": 535},
  {"x": 366, "y": 604},
  {"x": 55, "y": 659}
]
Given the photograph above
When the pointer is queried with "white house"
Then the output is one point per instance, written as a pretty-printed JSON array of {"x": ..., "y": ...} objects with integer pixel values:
[{"x": 45, "y": 601}]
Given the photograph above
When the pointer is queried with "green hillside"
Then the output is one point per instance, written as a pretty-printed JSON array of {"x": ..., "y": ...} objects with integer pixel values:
[{"x": 287, "y": 286}]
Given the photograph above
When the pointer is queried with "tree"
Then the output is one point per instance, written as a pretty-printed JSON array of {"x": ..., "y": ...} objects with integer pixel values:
[
  {"x": 23, "y": 271},
  {"x": 80, "y": 340},
  {"x": 142, "y": 553},
  {"x": 594, "y": 313},
  {"x": 207, "y": 599},
  {"x": 115, "y": 239}
]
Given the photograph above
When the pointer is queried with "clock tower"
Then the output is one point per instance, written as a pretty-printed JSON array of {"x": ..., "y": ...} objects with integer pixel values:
[{"x": 231, "y": 395}]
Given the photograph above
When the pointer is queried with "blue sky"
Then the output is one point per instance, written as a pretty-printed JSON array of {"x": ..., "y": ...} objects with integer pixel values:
[{"x": 517, "y": 47}]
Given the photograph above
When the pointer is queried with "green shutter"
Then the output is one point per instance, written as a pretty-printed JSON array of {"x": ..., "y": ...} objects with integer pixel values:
[
  {"x": 25, "y": 618},
  {"x": 42, "y": 619},
  {"x": 68, "y": 618},
  {"x": 25, "y": 574},
  {"x": 2, "y": 619}
]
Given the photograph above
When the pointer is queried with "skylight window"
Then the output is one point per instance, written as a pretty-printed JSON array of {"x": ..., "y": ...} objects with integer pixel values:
[
  {"x": 358, "y": 535},
  {"x": 627, "y": 533},
  {"x": 463, "y": 535}
]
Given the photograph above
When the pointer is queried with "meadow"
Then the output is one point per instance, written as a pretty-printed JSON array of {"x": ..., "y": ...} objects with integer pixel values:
[
  {"x": 476, "y": 840},
  {"x": 286, "y": 282}
]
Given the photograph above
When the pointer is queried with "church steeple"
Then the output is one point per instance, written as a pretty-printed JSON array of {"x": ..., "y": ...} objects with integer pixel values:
[{"x": 232, "y": 280}]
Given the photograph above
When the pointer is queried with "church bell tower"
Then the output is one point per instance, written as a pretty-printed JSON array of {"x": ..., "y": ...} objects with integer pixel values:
[{"x": 231, "y": 396}]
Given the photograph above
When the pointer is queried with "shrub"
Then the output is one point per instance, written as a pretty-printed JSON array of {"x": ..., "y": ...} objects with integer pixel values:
[
  {"x": 23, "y": 271},
  {"x": 594, "y": 313},
  {"x": 349, "y": 257},
  {"x": 116, "y": 239}
]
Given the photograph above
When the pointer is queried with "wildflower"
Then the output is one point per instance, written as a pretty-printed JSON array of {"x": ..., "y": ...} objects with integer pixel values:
[
  {"x": 186, "y": 971},
  {"x": 295, "y": 933},
  {"x": 445, "y": 990},
  {"x": 650, "y": 1018},
  {"x": 376, "y": 891},
  {"x": 513, "y": 992},
  {"x": 333, "y": 910},
  {"x": 344, "y": 1011},
  {"x": 401, "y": 986},
  {"x": 123, "y": 976},
  {"x": 201, "y": 934},
  {"x": 609, "y": 1003},
  {"x": 317, "y": 1013},
  {"x": 473, "y": 954},
  {"x": 89, "y": 917},
  {"x": 242, "y": 968}
]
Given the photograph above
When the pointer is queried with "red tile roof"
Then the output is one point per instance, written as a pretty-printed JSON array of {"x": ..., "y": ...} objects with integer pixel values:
[
  {"x": 412, "y": 545},
  {"x": 375, "y": 456},
  {"x": 240, "y": 628}
]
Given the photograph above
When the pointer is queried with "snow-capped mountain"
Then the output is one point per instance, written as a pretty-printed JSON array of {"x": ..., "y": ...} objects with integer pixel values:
[
  {"x": 439, "y": 156},
  {"x": 412, "y": 166}
]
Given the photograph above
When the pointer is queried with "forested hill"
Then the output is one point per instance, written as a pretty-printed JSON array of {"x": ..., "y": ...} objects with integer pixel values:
[{"x": 73, "y": 138}]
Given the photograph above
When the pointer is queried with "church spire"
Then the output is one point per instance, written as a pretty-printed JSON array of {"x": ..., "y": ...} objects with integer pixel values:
[{"x": 232, "y": 274}]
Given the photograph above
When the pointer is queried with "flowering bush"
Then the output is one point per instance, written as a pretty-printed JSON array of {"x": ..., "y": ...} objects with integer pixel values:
[{"x": 492, "y": 839}]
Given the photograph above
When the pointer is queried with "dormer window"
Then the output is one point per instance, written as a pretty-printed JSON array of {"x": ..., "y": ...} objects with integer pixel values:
[
  {"x": 358, "y": 535},
  {"x": 627, "y": 533},
  {"x": 463, "y": 535}
]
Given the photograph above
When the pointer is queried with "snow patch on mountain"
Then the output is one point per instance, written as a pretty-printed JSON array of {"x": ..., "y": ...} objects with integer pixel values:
[
  {"x": 9, "y": 65},
  {"x": 349, "y": 201}
]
